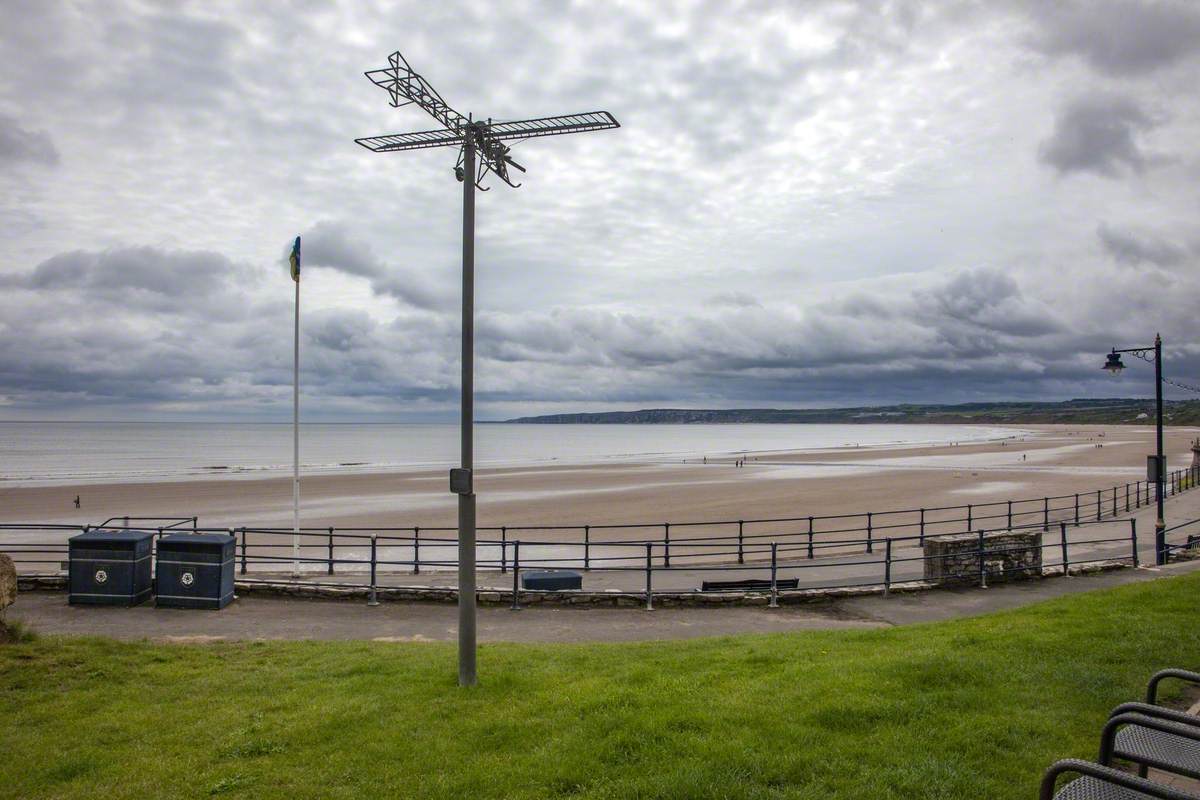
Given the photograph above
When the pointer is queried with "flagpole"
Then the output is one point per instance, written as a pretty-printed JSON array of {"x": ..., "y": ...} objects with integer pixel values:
[{"x": 296, "y": 431}]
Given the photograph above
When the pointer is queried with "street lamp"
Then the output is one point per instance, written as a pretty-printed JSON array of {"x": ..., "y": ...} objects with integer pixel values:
[{"x": 1114, "y": 365}]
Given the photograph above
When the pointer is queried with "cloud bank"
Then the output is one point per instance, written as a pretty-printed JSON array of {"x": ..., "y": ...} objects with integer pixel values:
[{"x": 822, "y": 204}]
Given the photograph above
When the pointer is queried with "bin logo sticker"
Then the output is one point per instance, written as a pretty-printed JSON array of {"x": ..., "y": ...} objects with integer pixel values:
[
  {"x": 187, "y": 579},
  {"x": 101, "y": 576}
]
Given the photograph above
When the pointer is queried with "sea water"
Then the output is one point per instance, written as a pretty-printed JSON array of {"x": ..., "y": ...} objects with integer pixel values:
[{"x": 99, "y": 452}]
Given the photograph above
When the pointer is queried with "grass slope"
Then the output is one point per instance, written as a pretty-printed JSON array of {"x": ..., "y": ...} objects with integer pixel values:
[{"x": 967, "y": 709}]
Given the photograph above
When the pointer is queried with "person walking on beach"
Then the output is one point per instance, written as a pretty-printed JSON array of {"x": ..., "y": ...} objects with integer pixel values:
[{"x": 77, "y": 501}]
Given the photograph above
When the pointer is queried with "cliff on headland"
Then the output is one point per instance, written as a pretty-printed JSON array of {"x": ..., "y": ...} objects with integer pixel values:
[{"x": 1118, "y": 411}]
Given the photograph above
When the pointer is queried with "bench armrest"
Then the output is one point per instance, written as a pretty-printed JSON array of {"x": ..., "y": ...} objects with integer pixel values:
[
  {"x": 1109, "y": 734},
  {"x": 1181, "y": 674},
  {"x": 1108, "y": 775},
  {"x": 1148, "y": 710}
]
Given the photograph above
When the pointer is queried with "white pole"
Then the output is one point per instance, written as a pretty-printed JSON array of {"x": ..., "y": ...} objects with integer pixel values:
[{"x": 296, "y": 441}]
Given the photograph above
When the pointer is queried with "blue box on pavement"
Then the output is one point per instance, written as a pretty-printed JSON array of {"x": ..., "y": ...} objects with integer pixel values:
[
  {"x": 194, "y": 570},
  {"x": 109, "y": 567},
  {"x": 552, "y": 580}
]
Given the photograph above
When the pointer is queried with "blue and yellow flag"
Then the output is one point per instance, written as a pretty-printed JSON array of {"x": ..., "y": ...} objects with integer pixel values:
[{"x": 294, "y": 260}]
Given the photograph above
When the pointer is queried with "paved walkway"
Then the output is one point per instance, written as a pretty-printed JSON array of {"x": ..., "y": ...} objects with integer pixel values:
[{"x": 279, "y": 618}]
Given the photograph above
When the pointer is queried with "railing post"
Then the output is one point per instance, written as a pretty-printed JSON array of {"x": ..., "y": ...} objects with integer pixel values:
[
  {"x": 1114, "y": 501},
  {"x": 1062, "y": 531},
  {"x": 587, "y": 547},
  {"x": 922, "y": 539},
  {"x": 774, "y": 579},
  {"x": 371, "y": 599},
  {"x": 195, "y": 524},
  {"x": 1010, "y": 515},
  {"x": 126, "y": 522},
  {"x": 1077, "y": 509},
  {"x": 741, "y": 552},
  {"x": 330, "y": 549},
  {"x": 970, "y": 517},
  {"x": 666, "y": 544},
  {"x": 503, "y": 549},
  {"x": 1160, "y": 546},
  {"x": 1097, "y": 505},
  {"x": 1133, "y": 540},
  {"x": 982, "y": 566},
  {"x": 243, "y": 551},
  {"x": 516, "y": 603},
  {"x": 887, "y": 566},
  {"x": 1045, "y": 514},
  {"x": 649, "y": 578},
  {"x": 416, "y": 550},
  {"x": 870, "y": 534},
  {"x": 1127, "y": 498},
  {"x": 810, "y": 537}
]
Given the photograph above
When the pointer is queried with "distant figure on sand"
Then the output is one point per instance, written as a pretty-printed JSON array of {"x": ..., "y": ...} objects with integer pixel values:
[
  {"x": 706, "y": 459},
  {"x": 77, "y": 501}
]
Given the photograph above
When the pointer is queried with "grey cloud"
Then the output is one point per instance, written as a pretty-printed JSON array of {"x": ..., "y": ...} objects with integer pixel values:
[
  {"x": 758, "y": 231},
  {"x": 1097, "y": 134},
  {"x": 1119, "y": 37},
  {"x": 329, "y": 245},
  {"x": 136, "y": 327},
  {"x": 18, "y": 144},
  {"x": 143, "y": 279},
  {"x": 972, "y": 332},
  {"x": 1131, "y": 249},
  {"x": 737, "y": 299}
]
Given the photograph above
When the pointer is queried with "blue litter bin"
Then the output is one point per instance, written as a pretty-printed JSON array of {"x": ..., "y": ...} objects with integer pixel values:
[
  {"x": 194, "y": 570},
  {"x": 109, "y": 567}
]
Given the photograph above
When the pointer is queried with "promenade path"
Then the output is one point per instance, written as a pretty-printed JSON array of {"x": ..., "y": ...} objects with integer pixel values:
[{"x": 253, "y": 617}]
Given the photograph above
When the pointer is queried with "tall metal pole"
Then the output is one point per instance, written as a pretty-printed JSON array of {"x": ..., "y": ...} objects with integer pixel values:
[
  {"x": 466, "y": 501},
  {"x": 296, "y": 439},
  {"x": 1160, "y": 524}
]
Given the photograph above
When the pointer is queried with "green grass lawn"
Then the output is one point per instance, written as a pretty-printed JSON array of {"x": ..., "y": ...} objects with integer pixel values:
[{"x": 967, "y": 709}]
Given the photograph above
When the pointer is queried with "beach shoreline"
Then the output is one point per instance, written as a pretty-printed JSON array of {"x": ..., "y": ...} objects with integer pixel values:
[{"x": 1049, "y": 460}]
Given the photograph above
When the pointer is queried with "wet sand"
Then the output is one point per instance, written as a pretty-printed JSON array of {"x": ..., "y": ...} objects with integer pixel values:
[{"x": 1051, "y": 460}]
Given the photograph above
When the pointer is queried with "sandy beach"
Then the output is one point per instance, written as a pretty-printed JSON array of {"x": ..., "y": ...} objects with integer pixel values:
[{"x": 1050, "y": 460}]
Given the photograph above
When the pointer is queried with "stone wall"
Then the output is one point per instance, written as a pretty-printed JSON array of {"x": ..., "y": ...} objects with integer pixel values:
[{"x": 1007, "y": 555}]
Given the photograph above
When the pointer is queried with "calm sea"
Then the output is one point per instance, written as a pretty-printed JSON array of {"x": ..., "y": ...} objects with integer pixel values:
[{"x": 41, "y": 452}]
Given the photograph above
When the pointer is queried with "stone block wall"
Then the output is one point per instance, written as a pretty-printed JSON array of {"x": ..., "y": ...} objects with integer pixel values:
[{"x": 1007, "y": 555}]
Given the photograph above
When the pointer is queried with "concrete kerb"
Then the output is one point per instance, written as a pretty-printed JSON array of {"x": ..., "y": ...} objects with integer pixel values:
[{"x": 612, "y": 598}]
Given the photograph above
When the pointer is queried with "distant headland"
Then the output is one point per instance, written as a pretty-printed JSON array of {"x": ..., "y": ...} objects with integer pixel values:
[{"x": 1111, "y": 411}]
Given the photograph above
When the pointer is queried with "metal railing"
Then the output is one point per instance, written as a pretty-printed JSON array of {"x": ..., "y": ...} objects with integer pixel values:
[{"x": 882, "y": 557}]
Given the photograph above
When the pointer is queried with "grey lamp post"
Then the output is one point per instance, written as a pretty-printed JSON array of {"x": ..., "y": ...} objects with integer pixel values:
[{"x": 1115, "y": 366}]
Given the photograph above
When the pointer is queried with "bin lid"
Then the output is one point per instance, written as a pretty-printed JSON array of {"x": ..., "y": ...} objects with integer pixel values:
[
  {"x": 111, "y": 537},
  {"x": 175, "y": 541}
]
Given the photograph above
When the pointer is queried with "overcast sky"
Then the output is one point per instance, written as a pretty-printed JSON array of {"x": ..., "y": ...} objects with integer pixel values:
[{"x": 807, "y": 204}]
